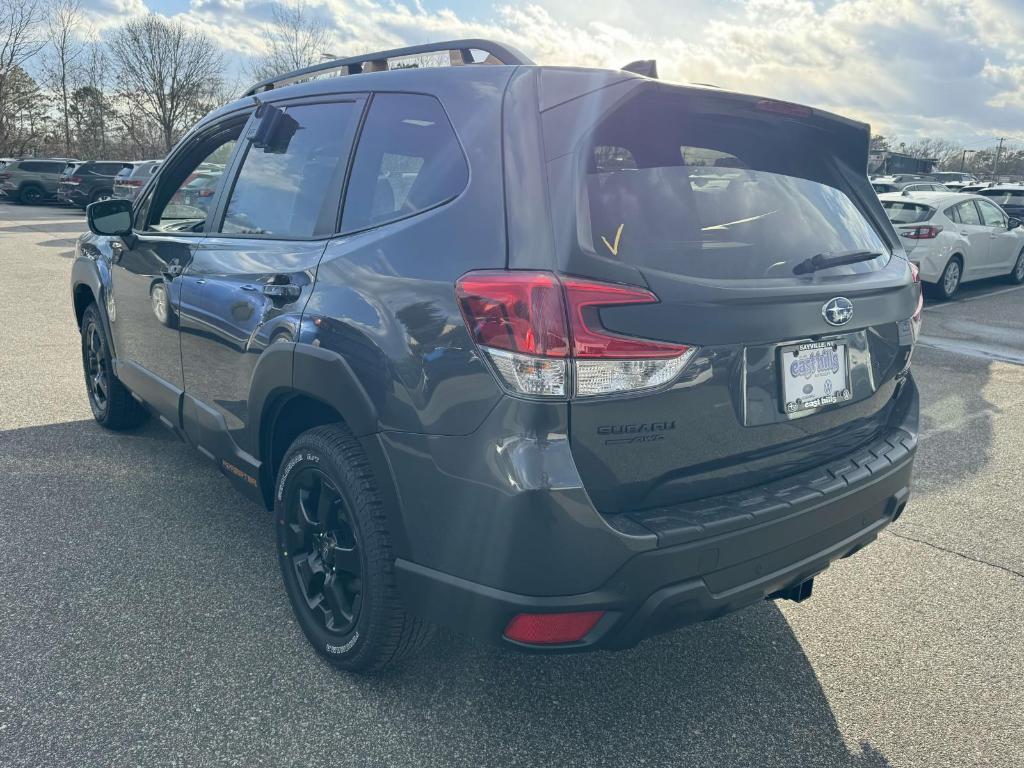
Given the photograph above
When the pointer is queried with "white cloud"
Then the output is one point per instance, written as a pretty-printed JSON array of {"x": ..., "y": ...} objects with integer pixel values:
[{"x": 928, "y": 67}]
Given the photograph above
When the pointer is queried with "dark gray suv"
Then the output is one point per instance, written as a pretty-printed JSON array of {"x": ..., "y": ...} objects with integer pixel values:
[{"x": 558, "y": 357}]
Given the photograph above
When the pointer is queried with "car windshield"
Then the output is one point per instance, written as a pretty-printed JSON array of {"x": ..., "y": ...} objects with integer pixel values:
[{"x": 900, "y": 212}]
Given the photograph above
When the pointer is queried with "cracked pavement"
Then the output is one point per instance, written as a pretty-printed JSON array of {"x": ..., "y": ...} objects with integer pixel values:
[{"x": 142, "y": 620}]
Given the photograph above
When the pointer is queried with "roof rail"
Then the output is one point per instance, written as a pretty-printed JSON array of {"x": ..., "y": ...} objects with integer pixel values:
[{"x": 353, "y": 65}]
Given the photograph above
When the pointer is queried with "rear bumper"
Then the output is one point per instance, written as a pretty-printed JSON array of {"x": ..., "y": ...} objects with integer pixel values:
[{"x": 710, "y": 558}]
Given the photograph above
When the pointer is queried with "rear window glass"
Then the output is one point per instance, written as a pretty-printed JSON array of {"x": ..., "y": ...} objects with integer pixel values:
[
  {"x": 408, "y": 160},
  {"x": 1004, "y": 197},
  {"x": 714, "y": 196},
  {"x": 907, "y": 213}
]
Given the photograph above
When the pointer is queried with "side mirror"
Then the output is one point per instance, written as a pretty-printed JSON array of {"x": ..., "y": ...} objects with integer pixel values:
[
  {"x": 110, "y": 217},
  {"x": 1013, "y": 222}
]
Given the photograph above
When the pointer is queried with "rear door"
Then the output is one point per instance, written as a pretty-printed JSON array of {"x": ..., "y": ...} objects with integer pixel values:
[
  {"x": 972, "y": 226},
  {"x": 721, "y": 206},
  {"x": 247, "y": 284},
  {"x": 1004, "y": 242}
]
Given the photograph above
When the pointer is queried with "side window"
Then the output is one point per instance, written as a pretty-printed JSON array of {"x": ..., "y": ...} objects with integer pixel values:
[
  {"x": 991, "y": 214},
  {"x": 608, "y": 158},
  {"x": 408, "y": 160},
  {"x": 292, "y": 177},
  {"x": 968, "y": 213},
  {"x": 177, "y": 205},
  {"x": 953, "y": 213}
]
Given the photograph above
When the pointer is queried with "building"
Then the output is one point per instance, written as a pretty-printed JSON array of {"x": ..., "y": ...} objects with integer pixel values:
[{"x": 885, "y": 162}]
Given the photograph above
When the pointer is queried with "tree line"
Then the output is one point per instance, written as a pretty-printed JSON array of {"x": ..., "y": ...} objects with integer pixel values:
[{"x": 65, "y": 93}]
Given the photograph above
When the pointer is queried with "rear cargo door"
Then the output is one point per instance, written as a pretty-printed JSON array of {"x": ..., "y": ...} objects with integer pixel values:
[{"x": 754, "y": 226}]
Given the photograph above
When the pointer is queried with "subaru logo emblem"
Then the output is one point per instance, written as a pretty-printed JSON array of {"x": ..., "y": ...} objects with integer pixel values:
[{"x": 837, "y": 311}]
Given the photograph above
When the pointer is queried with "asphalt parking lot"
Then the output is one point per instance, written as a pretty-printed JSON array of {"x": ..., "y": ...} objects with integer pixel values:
[{"x": 142, "y": 622}]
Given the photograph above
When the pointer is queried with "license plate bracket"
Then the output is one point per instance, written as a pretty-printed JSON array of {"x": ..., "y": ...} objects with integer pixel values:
[{"x": 814, "y": 375}]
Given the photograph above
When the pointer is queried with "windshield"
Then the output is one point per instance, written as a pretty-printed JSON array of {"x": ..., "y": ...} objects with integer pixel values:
[
  {"x": 714, "y": 197},
  {"x": 906, "y": 213}
]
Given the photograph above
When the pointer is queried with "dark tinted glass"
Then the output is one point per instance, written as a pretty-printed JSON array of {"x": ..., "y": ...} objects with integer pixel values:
[
  {"x": 283, "y": 186},
  {"x": 713, "y": 195},
  {"x": 408, "y": 160},
  {"x": 1004, "y": 196},
  {"x": 37, "y": 166}
]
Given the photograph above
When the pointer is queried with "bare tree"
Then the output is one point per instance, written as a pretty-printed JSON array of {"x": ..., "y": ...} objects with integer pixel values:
[
  {"x": 165, "y": 72},
  {"x": 21, "y": 38},
  {"x": 297, "y": 39},
  {"x": 59, "y": 66}
]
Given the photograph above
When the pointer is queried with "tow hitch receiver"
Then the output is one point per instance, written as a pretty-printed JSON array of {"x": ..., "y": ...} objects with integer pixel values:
[{"x": 796, "y": 592}]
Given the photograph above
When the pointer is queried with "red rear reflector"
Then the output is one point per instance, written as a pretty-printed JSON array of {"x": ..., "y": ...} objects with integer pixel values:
[{"x": 551, "y": 628}]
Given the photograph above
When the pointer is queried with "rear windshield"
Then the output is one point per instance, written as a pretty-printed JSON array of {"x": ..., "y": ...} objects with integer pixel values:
[
  {"x": 715, "y": 196},
  {"x": 1004, "y": 196},
  {"x": 906, "y": 213}
]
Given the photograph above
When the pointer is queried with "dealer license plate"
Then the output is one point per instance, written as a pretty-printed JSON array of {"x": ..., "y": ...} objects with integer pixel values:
[{"x": 814, "y": 375}]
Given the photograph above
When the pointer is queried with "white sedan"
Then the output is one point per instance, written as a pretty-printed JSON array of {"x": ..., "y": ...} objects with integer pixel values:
[{"x": 954, "y": 238}]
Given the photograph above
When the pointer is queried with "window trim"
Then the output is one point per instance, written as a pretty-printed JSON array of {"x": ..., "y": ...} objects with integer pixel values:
[
  {"x": 322, "y": 229},
  {"x": 183, "y": 149},
  {"x": 339, "y": 231}
]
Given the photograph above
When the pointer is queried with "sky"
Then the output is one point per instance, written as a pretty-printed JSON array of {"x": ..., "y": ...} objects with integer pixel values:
[{"x": 950, "y": 69}]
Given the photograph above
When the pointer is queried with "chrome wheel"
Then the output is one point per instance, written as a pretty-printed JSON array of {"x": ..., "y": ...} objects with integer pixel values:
[
  {"x": 159, "y": 301},
  {"x": 951, "y": 280},
  {"x": 1018, "y": 272}
]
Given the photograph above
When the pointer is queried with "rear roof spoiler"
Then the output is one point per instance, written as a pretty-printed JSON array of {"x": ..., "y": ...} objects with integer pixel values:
[{"x": 497, "y": 53}]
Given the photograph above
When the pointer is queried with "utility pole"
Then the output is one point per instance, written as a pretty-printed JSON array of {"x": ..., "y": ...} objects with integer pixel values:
[
  {"x": 963, "y": 159},
  {"x": 995, "y": 163}
]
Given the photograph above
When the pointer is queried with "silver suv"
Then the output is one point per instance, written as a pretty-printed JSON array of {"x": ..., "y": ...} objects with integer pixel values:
[{"x": 32, "y": 181}]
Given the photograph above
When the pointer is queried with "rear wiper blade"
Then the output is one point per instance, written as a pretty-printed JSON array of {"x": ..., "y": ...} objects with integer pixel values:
[{"x": 829, "y": 259}]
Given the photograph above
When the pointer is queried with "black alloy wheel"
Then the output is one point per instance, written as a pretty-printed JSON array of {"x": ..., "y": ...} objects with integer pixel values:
[
  {"x": 97, "y": 369},
  {"x": 324, "y": 551}
]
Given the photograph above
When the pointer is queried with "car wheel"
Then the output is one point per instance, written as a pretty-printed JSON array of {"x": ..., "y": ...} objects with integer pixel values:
[
  {"x": 1016, "y": 275},
  {"x": 949, "y": 282},
  {"x": 111, "y": 402},
  {"x": 30, "y": 195},
  {"x": 161, "y": 305},
  {"x": 336, "y": 557}
]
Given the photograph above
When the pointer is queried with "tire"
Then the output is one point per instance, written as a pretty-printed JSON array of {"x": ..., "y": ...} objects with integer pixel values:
[
  {"x": 100, "y": 194},
  {"x": 30, "y": 194},
  {"x": 1016, "y": 276},
  {"x": 336, "y": 557},
  {"x": 949, "y": 280},
  {"x": 111, "y": 402}
]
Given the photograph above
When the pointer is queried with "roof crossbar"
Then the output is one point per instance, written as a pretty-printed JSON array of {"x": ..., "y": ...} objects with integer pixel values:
[{"x": 354, "y": 65}]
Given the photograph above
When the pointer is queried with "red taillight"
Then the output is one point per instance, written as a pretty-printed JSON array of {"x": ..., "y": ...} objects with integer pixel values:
[
  {"x": 129, "y": 182},
  {"x": 520, "y": 320},
  {"x": 4, "y": 176},
  {"x": 75, "y": 179},
  {"x": 205, "y": 193},
  {"x": 515, "y": 311},
  {"x": 585, "y": 298},
  {"x": 552, "y": 628},
  {"x": 924, "y": 232}
]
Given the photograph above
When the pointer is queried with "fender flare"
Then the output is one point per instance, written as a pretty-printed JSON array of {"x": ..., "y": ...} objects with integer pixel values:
[{"x": 84, "y": 272}]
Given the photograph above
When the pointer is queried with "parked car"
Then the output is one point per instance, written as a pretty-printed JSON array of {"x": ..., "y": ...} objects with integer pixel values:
[
  {"x": 901, "y": 184},
  {"x": 32, "y": 181},
  {"x": 658, "y": 373},
  {"x": 975, "y": 188},
  {"x": 954, "y": 238},
  {"x": 954, "y": 180},
  {"x": 132, "y": 178},
  {"x": 1009, "y": 197},
  {"x": 91, "y": 181}
]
